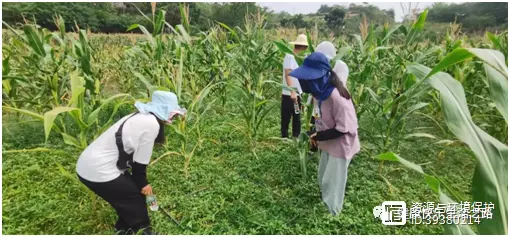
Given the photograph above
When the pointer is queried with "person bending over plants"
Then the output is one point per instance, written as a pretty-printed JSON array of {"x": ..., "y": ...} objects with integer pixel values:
[
  {"x": 103, "y": 165},
  {"x": 337, "y": 125}
]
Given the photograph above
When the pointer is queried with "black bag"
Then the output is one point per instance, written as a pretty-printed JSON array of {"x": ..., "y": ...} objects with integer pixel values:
[{"x": 125, "y": 159}]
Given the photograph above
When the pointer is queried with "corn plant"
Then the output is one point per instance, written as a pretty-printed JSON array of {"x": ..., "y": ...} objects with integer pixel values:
[
  {"x": 32, "y": 70},
  {"x": 215, "y": 54},
  {"x": 302, "y": 143},
  {"x": 491, "y": 173},
  {"x": 84, "y": 115},
  {"x": 253, "y": 80},
  {"x": 188, "y": 129},
  {"x": 51, "y": 56},
  {"x": 383, "y": 89}
]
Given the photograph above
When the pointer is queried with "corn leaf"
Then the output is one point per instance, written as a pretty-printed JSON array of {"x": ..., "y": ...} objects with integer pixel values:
[
  {"x": 144, "y": 80},
  {"x": 491, "y": 173},
  {"x": 93, "y": 115},
  {"x": 70, "y": 140},
  {"x": 498, "y": 86},
  {"x": 159, "y": 24},
  {"x": 496, "y": 43},
  {"x": 433, "y": 184},
  {"x": 417, "y": 27},
  {"x": 184, "y": 16},
  {"x": 145, "y": 32},
  {"x": 77, "y": 89},
  {"x": 283, "y": 48},
  {"x": 311, "y": 49},
  {"x": 184, "y": 34},
  {"x": 25, "y": 112},
  {"x": 493, "y": 58},
  {"x": 360, "y": 43},
  {"x": 390, "y": 33},
  {"x": 49, "y": 118},
  {"x": 34, "y": 41},
  {"x": 340, "y": 54},
  {"x": 39, "y": 149},
  {"x": 179, "y": 76},
  {"x": 494, "y": 63},
  {"x": 425, "y": 135}
]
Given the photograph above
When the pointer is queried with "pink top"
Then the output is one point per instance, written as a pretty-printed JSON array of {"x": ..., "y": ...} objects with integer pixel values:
[{"x": 338, "y": 112}]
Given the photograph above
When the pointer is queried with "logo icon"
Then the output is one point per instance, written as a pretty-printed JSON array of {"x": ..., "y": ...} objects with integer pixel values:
[{"x": 391, "y": 212}]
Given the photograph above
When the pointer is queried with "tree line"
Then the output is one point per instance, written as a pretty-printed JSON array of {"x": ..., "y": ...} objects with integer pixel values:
[
  {"x": 473, "y": 16},
  {"x": 117, "y": 17}
]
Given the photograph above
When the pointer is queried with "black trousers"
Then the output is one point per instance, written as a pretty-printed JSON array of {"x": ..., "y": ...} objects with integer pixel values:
[
  {"x": 126, "y": 198},
  {"x": 287, "y": 113}
]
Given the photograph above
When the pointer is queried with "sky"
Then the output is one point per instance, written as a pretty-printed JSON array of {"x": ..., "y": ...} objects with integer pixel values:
[{"x": 311, "y": 7}]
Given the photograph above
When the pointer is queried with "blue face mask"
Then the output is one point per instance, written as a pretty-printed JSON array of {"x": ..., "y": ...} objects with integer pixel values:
[{"x": 320, "y": 88}]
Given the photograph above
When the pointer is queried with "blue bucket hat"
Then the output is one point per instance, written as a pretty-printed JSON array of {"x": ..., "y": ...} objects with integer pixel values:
[
  {"x": 164, "y": 105},
  {"x": 315, "y": 66},
  {"x": 313, "y": 76}
]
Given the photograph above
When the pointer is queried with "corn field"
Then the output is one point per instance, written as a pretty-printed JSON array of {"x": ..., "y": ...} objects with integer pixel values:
[{"x": 433, "y": 127}]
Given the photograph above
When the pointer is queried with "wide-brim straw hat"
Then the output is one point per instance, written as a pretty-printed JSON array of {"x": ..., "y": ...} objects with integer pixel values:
[{"x": 301, "y": 40}]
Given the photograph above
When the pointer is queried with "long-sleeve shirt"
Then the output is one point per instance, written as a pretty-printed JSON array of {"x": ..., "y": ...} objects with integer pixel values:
[{"x": 339, "y": 113}]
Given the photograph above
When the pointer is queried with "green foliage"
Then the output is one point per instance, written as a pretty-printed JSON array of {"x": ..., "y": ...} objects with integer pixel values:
[
  {"x": 61, "y": 90},
  {"x": 474, "y": 16},
  {"x": 491, "y": 174},
  {"x": 335, "y": 19}
]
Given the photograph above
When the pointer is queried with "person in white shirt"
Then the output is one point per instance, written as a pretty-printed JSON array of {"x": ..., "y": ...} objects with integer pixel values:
[
  {"x": 103, "y": 165},
  {"x": 291, "y": 97}
]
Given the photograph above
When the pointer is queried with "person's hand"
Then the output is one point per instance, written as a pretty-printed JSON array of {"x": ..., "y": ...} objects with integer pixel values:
[
  {"x": 312, "y": 140},
  {"x": 293, "y": 96},
  {"x": 147, "y": 190}
]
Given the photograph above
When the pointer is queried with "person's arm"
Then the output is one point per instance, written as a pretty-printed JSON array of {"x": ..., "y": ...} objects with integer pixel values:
[
  {"x": 329, "y": 134},
  {"x": 287, "y": 63},
  {"x": 139, "y": 174}
]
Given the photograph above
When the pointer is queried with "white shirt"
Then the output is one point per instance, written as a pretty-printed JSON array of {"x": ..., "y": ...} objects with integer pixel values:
[
  {"x": 290, "y": 63},
  {"x": 98, "y": 163}
]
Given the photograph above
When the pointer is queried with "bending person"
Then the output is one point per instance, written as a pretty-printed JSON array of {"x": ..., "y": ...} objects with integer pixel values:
[
  {"x": 103, "y": 165},
  {"x": 337, "y": 127}
]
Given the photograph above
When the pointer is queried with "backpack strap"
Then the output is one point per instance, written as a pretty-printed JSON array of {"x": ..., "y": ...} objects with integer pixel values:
[{"x": 125, "y": 160}]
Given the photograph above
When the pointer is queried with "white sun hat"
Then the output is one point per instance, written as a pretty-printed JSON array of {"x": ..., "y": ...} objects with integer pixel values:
[
  {"x": 164, "y": 105},
  {"x": 301, "y": 40},
  {"x": 341, "y": 69},
  {"x": 327, "y": 48}
]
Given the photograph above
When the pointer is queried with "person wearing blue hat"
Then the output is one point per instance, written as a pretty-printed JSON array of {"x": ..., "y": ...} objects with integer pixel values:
[
  {"x": 103, "y": 165},
  {"x": 336, "y": 126}
]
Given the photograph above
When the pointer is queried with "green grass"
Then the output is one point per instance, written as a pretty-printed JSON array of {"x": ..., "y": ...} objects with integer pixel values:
[{"x": 228, "y": 191}]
